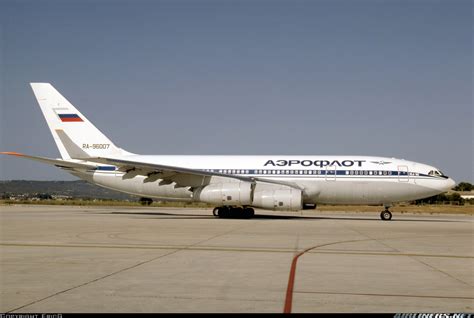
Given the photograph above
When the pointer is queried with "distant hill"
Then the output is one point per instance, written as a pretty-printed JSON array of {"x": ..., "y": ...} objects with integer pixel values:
[{"x": 76, "y": 189}]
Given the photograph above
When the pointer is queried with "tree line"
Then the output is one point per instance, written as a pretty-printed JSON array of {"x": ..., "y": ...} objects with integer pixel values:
[
  {"x": 450, "y": 198},
  {"x": 464, "y": 186}
]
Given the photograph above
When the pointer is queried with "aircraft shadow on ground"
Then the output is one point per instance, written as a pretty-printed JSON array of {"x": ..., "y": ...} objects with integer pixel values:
[{"x": 168, "y": 215}]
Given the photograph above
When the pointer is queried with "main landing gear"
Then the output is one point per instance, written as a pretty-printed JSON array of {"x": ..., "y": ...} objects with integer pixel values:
[
  {"x": 386, "y": 215},
  {"x": 232, "y": 212}
]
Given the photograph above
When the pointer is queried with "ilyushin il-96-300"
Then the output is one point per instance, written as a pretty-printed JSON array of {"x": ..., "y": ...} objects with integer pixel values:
[{"x": 234, "y": 184}]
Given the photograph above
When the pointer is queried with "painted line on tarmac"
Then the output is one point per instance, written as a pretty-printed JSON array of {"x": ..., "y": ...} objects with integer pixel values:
[
  {"x": 173, "y": 251},
  {"x": 382, "y": 295},
  {"x": 291, "y": 279},
  {"x": 231, "y": 249}
]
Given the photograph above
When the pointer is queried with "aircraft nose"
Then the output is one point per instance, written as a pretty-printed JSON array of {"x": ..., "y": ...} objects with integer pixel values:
[{"x": 450, "y": 183}]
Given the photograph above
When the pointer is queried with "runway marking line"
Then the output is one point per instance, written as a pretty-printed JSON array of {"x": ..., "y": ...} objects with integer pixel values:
[
  {"x": 291, "y": 279},
  {"x": 175, "y": 250},
  {"x": 231, "y": 249},
  {"x": 382, "y": 295}
]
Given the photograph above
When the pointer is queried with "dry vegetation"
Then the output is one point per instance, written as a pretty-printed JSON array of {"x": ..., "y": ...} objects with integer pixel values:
[{"x": 81, "y": 202}]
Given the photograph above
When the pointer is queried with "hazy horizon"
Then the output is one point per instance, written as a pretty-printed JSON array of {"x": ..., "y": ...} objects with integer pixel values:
[{"x": 376, "y": 78}]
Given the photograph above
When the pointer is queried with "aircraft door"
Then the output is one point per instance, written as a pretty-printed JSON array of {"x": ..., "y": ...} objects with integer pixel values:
[{"x": 403, "y": 174}]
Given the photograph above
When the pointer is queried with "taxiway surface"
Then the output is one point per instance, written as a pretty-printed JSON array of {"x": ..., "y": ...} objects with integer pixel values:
[{"x": 119, "y": 259}]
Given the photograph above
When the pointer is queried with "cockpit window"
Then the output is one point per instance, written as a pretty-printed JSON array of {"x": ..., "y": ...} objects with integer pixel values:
[{"x": 435, "y": 173}]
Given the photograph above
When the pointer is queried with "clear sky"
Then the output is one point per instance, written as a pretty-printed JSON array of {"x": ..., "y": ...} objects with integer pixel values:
[{"x": 385, "y": 78}]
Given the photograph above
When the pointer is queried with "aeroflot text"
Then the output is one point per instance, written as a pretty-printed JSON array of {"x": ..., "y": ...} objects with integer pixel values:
[{"x": 317, "y": 163}]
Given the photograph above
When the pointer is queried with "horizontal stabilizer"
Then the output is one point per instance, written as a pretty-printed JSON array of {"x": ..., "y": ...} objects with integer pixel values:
[{"x": 56, "y": 162}]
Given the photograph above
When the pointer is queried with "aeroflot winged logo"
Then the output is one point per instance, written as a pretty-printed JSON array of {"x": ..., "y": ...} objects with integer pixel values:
[
  {"x": 381, "y": 162},
  {"x": 317, "y": 163}
]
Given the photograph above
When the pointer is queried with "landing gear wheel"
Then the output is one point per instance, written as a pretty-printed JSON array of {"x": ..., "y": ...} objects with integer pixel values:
[
  {"x": 224, "y": 212},
  {"x": 236, "y": 212},
  {"x": 248, "y": 213},
  {"x": 233, "y": 212},
  {"x": 386, "y": 215}
]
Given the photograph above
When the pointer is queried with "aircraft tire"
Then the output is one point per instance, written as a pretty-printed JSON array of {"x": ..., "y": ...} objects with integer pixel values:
[
  {"x": 236, "y": 212},
  {"x": 386, "y": 215},
  {"x": 248, "y": 213},
  {"x": 224, "y": 212}
]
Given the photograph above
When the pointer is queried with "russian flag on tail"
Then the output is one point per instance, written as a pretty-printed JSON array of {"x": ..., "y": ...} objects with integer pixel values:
[{"x": 69, "y": 117}]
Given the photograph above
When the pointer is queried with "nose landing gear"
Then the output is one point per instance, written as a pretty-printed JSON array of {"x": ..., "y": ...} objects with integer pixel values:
[{"x": 386, "y": 215}]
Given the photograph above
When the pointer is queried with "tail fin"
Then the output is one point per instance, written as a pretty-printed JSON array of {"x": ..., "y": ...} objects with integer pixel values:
[{"x": 75, "y": 136}]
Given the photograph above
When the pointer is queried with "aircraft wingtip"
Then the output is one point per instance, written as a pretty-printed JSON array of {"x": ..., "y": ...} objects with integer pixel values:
[{"x": 11, "y": 153}]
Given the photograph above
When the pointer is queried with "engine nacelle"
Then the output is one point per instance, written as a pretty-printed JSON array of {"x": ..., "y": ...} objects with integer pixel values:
[
  {"x": 279, "y": 200},
  {"x": 231, "y": 193}
]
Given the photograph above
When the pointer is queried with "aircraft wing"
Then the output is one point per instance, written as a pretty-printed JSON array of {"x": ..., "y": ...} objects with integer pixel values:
[
  {"x": 56, "y": 162},
  {"x": 183, "y": 177}
]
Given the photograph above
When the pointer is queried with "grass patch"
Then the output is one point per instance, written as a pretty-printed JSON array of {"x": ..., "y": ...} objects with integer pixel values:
[{"x": 83, "y": 202}]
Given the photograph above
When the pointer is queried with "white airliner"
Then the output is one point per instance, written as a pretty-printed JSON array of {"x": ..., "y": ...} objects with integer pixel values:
[{"x": 234, "y": 184}]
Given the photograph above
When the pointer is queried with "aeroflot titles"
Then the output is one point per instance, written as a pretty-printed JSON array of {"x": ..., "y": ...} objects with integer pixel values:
[{"x": 317, "y": 163}]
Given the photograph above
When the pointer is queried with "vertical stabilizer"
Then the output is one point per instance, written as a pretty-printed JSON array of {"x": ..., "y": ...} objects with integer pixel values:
[{"x": 75, "y": 136}]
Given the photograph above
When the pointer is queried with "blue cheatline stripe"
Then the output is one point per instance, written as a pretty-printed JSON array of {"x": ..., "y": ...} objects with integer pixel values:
[
  {"x": 374, "y": 173},
  {"x": 300, "y": 173},
  {"x": 105, "y": 168},
  {"x": 309, "y": 172}
]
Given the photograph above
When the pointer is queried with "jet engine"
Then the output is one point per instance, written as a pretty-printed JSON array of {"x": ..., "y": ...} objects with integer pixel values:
[
  {"x": 226, "y": 194},
  {"x": 280, "y": 200}
]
